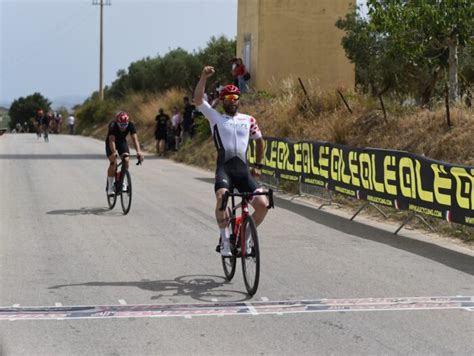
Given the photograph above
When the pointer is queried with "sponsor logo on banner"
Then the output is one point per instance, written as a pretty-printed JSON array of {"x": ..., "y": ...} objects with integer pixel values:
[{"x": 387, "y": 177}]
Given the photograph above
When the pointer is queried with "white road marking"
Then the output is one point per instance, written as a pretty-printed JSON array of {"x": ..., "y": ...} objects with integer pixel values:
[
  {"x": 57, "y": 304},
  {"x": 122, "y": 301},
  {"x": 188, "y": 310},
  {"x": 214, "y": 300},
  {"x": 252, "y": 309},
  {"x": 265, "y": 299}
]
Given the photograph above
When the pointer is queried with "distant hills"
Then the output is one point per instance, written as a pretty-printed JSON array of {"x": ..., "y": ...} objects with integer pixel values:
[{"x": 68, "y": 101}]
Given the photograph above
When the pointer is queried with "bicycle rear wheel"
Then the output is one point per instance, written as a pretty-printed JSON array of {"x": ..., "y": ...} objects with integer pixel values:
[
  {"x": 111, "y": 199},
  {"x": 251, "y": 256},
  {"x": 126, "y": 196},
  {"x": 229, "y": 263}
]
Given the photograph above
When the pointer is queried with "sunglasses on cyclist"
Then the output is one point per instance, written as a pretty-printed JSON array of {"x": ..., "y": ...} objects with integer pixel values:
[
  {"x": 231, "y": 97},
  {"x": 123, "y": 126}
]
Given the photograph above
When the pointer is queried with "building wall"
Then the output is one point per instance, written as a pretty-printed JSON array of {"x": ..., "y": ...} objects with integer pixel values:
[
  {"x": 248, "y": 28},
  {"x": 295, "y": 38}
]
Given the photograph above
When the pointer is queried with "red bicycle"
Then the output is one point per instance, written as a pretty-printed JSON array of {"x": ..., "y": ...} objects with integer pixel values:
[
  {"x": 243, "y": 239},
  {"x": 122, "y": 187}
]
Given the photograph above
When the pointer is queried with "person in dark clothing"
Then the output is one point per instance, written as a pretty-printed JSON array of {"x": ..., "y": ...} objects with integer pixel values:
[
  {"x": 39, "y": 122},
  {"x": 47, "y": 119},
  {"x": 116, "y": 145},
  {"x": 188, "y": 119},
  {"x": 161, "y": 131}
]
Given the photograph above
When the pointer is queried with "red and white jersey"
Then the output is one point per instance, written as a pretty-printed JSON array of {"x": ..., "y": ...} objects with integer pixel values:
[{"x": 231, "y": 133}]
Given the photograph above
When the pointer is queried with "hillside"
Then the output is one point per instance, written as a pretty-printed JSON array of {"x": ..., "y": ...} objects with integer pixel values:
[{"x": 288, "y": 114}]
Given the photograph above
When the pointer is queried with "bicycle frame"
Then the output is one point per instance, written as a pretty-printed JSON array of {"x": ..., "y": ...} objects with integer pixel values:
[
  {"x": 119, "y": 173},
  {"x": 239, "y": 232}
]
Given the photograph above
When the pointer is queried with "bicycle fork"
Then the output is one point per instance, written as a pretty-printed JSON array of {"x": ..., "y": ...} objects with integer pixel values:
[
  {"x": 241, "y": 228},
  {"x": 118, "y": 181}
]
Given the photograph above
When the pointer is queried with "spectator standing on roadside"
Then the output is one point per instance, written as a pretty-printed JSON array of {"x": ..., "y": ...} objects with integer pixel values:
[
  {"x": 213, "y": 99},
  {"x": 188, "y": 119},
  {"x": 58, "y": 119},
  {"x": 70, "y": 124},
  {"x": 218, "y": 89},
  {"x": 239, "y": 72},
  {"x": 176, "y": 122},
  {"x": 161, "y": 131},
  {"x": 233, "y": 71}
]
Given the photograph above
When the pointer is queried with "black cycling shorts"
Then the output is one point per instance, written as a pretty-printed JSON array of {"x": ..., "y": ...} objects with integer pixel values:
[
  {"x": 161, "y": 135},
  {"x": 235, "y": 174},
  {"x": 121, "y": 146}
]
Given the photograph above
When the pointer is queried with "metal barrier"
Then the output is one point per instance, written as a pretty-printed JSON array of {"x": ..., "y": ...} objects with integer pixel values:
[{"x": 327, "y": 196}]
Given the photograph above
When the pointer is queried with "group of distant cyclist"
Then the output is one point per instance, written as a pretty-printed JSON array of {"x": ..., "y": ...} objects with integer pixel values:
[
  {"x": 231, "y": 132},
  {"x": 47, "y": 122}
]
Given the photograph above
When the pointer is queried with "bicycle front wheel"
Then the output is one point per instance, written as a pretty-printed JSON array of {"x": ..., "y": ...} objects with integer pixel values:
[
  {"x": 229, "y": 263},
  {"x": 111, "y": 199},
  {"x": 126, "y": 196},
  {"x": 251, "y": 256}
]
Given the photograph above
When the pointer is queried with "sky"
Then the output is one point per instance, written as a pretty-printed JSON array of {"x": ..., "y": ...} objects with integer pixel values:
[{"x": 52, "y": 46}]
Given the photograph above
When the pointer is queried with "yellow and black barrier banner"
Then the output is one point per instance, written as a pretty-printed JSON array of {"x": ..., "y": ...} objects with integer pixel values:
[{"x": 392, "y": 178}]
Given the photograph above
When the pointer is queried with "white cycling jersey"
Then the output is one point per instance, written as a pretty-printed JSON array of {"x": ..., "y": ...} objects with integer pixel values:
[{"x": 231, "y": 133}]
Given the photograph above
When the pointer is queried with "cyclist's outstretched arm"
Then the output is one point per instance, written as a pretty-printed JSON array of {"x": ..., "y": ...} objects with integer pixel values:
[{"x": 201, "y": 85}]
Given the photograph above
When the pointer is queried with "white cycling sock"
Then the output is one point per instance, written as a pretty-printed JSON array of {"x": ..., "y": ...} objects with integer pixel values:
[
  {"x": 225, "y": 234},
  {"x": 110, "y": 182}
]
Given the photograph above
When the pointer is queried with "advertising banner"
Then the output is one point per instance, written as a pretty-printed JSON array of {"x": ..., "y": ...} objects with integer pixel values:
[{"x": 396, "y": 179}]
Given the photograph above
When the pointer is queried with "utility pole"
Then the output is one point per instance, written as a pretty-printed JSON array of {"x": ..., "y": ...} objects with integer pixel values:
[{"x": 101, "y": 3}]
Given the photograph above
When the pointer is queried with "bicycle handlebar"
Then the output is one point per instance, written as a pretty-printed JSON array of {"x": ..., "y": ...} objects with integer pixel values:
[
  {"x": 247, "y": 196},
  {"x": 122, "y": 159}
]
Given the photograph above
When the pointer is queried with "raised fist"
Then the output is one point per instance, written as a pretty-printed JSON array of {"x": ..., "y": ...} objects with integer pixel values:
[{"x": 207, "y": 72}]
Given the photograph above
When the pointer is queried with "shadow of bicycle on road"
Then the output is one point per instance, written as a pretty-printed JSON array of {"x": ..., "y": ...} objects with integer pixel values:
[
  {"x": 85, "y": 211},
  {"x": 203, "y": 288}
]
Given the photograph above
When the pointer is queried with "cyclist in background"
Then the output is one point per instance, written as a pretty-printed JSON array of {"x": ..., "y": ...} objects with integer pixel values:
[
  {"x": 39, "y": 122},
  {"x": 231, "y": 132},
  {"x": 47, "y": 119},
  {"x": 116, "y": 145}
]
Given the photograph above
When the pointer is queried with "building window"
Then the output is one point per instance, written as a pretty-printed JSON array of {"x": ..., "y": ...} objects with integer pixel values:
[{"x": 247, "y": 49}]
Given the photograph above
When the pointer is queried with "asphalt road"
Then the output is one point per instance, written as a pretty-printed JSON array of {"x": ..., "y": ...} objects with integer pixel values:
[{"x": 79, "y": 279}]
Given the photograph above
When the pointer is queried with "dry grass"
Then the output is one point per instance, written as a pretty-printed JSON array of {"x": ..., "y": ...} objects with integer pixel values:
[
  {"x": 419, "y": 131},
  {"x": 142, "y": 109}
]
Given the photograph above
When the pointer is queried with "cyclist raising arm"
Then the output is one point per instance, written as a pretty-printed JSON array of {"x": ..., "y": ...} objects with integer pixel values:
[
  {"x": 231, "y": 132},
  {"x": 116, "y": 141}
]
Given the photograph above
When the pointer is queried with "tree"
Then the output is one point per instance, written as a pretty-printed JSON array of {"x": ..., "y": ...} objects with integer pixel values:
[
  {"x": 426, "y": 33},
  {"x": 24, "y": 109},
  {"x": 177, "y": 68},
  {"x": 218, "y": 53},
  {"x": 466, "y": 71},
  {"x": 376, "y": 68}
]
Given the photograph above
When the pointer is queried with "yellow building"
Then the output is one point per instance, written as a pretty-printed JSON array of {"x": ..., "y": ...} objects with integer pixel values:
[{"x": 278, "y": 39}]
